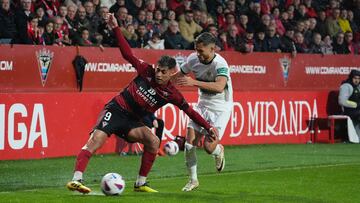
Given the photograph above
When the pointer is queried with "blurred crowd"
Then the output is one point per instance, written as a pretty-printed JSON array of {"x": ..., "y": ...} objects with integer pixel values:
[{"x": 292, "y": 26}]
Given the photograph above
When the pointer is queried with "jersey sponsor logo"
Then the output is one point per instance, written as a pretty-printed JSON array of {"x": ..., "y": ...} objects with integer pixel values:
[
  {"x": 6, "y": 65},
  {"x": 44, "y": 58},
  {"x": 147, "y": 93},
  {"x": 285, "y": 67},
  {"x": 151, "y": 91},
  {"x": 147, "y": 96}
]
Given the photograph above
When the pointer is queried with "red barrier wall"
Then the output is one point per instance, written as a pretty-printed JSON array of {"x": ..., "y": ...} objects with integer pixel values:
[
  {"x": 44, "y": 115},
  {"x": 36, "y": 125}
]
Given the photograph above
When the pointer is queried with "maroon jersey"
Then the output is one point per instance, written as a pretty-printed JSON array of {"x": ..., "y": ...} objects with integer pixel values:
[{"x": 143, "y": 95}]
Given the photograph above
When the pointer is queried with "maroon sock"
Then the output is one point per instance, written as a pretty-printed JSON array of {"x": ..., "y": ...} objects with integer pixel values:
[
  {"x": 82, "y": 160},
  {"x": 146, "y": 163}
]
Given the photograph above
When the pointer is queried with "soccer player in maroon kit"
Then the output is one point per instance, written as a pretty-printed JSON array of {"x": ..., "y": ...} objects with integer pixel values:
[{"x": 149, "y": 91}]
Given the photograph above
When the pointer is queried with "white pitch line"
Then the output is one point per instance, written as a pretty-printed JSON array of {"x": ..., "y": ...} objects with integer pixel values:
[
  {"x": 95, "y": 193},
  {"x": 265, "y": 170},
  {"x": 258, "y": 171},
  {"x": 29, "y": 190}
]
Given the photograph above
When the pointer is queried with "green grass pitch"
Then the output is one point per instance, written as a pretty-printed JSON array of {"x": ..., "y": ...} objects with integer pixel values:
[{"x": 311, "y": 173}]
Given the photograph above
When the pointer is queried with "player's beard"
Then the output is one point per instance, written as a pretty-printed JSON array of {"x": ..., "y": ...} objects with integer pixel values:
[{"x": 202, "y": 59}]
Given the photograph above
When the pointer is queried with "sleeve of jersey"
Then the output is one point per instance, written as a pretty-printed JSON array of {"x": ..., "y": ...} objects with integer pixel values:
[
  {"x": 195, "y": 116},
  {"x": 184, "y": 68},
  {"x": 180, "y": 102},
  {"x": 126, "y": 52},
  {"x": 222, "y": 70}
]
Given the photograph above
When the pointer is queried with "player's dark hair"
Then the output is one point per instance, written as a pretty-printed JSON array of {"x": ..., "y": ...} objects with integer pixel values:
[
  {"x": 167, "y": 61},
  {"x": 206, "y": 38}
]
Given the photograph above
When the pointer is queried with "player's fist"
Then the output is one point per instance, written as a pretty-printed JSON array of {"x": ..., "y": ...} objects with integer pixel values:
[
  {"x": 112, "y": 22},
  {"x": 185, "y": 81},
  {"x": 213, "y": 133}
]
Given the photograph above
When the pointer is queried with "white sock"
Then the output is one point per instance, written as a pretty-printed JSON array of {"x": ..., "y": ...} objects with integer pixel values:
[
  {"x": 217, "y": 150},
  {"x": 141, "y": 180},
  {"x": 78, "y": 175},
  {"x": 191, "y": 161}
]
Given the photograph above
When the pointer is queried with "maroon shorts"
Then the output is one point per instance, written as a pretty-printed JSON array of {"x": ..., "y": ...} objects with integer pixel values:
[{"x": 115, "y": 120}]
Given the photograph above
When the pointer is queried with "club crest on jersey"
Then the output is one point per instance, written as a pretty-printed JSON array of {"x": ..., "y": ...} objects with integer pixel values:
[
  {"x": 285, "y": 64},
  {"x": 44, "y": 58},
  {"x": 209, "y": 75}
]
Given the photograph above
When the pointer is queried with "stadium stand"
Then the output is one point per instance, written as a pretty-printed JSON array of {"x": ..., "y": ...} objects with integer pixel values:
[{"x": 317, "y": 27}]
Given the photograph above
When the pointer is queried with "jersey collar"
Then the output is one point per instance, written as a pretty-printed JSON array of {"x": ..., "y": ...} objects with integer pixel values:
[{"x": 209, "y": 61}]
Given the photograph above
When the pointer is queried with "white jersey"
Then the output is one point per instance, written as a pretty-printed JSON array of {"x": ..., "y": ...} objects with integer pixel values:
[
  {"x": 214, "y": 107},
  {"x": 208, "y": 73}
]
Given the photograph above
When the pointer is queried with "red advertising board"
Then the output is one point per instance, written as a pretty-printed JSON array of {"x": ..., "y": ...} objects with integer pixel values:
[
  {"x": 47, "y": 69},
  {"x": 38, "y": 125}
]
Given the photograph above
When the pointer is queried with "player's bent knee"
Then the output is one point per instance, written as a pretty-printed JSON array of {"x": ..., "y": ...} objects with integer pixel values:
[
  {"x": 156, "y": 141},
  {"x": 96, "y": 141}
]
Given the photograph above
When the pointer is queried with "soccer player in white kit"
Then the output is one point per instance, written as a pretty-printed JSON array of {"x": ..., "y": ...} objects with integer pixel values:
[{"x": 215, "y": 102}]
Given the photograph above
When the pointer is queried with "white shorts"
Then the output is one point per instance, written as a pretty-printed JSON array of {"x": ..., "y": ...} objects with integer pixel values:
[{"x": 217, "y": 117}]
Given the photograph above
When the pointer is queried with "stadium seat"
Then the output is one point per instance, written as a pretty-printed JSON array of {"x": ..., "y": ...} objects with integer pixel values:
[{"x": 332, "y": 124}]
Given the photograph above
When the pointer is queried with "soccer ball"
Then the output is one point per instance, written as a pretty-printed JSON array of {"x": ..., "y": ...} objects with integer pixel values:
[
  {"x": 112, "y": 184},
  {"x": 171, "y": 148}
]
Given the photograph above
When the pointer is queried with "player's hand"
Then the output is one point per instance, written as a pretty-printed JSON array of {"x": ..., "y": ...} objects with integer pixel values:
[
  {"x": 102, "y": 48},
  {"x": 155, "y": 123},
  {"x": 175, "y": 76},
  {"x": 112, "y": 22},
  {"x": 213, "y": 133},
  {"x": 185, "y": 81}
]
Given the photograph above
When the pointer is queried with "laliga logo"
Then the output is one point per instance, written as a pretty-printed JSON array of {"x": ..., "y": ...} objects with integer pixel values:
[
  {"x": 180, "y": 59},
  {"x": 285, "y": 66},
  {"x": 44, "y": 58}
]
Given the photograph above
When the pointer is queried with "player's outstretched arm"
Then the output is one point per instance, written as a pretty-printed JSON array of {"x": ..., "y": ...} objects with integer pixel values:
[
  {"x": 195, "y": 116},
  {"x": 181, "y": 103},
  {"x": 124, "y": 46},
  {"x": 218, "y": 86}
]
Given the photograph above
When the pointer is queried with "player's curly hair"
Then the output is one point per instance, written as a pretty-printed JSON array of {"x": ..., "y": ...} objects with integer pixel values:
[
  {"x": 167, "y": 61},
  {"x": 206, "y": 38}
]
